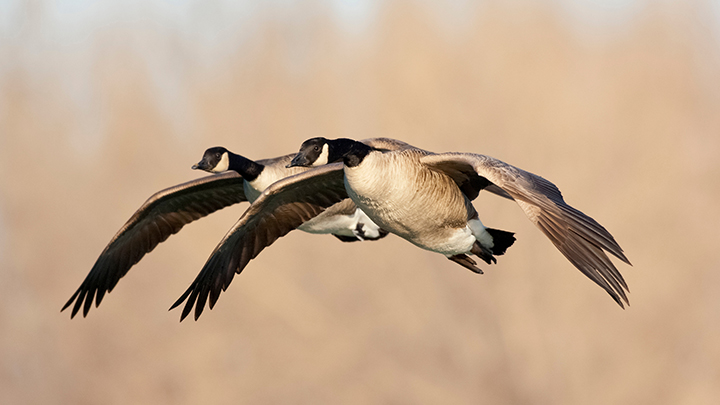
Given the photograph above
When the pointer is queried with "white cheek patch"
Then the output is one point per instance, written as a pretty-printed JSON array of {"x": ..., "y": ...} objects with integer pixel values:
[
  {"x": 323, "y": 158},
  {"x": 223, "y": 165}
]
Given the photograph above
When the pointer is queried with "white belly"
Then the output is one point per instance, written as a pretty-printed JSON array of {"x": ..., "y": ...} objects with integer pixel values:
[
  {"x": 337, "y": 224},
  {"x": 458, "y": 242},
  {"x": 346, "y": 225}
]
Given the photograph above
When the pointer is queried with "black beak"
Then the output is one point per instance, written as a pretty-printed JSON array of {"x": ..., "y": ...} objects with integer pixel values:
[
  {"x": 299, "y": 160},
  {"x": 202, "y": 165}
]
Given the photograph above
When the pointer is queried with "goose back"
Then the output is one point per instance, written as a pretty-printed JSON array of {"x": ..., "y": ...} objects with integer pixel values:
[{"x": 274, "y": 169}]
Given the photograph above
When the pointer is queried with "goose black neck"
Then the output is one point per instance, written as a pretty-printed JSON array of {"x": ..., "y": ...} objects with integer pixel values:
[
  {"x": 247, "y": 168},
  {"x": 338, "y": 148},
  {"x": 351, "y": 152}
]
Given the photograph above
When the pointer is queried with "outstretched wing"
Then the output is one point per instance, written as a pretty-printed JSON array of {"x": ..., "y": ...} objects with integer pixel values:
[
  {"x": 162, "y": 215},
  {"x": 282, "y": 207},
  {"x": 580, "y": 238}
]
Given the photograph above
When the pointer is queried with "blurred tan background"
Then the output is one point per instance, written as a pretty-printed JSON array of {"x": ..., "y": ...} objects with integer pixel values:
[{"x": 104, "y": 103}]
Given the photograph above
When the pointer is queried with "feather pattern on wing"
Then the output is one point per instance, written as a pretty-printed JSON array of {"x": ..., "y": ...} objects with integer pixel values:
[
  {"x": 282, "y": 207},
  {"x": 581, "y": 239},
  {"x": 162, "y": 215}
]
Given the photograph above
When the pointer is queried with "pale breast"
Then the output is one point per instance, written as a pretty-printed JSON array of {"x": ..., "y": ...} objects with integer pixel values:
[{"x": 405, "y": 197}]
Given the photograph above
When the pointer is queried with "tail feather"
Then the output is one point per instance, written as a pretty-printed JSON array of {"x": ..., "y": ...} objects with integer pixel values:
[
  {"x": 346, "y": 238},
  {"x": 501, "y": 240}
]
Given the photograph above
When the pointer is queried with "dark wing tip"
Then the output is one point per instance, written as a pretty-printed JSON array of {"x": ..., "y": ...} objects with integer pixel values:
[
  {"x": 188, "y": 306},
  {"x": 282, "y": 207},
  {"x": 622, "y": 301},
  {"x": 188, "y": 295},
  {"x": 581, "y": 239},
  {"x": 181, "y": 299},
  {"x": 162, "y": 215},
  {"x": 70, "y": 301},
  {"x": 204, "y": 284}
]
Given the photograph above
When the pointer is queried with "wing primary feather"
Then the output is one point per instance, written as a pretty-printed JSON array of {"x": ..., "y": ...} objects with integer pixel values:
[
  {"x": 282, "y": 207},
  {"x": 71, "y": 300},
  {"x": 162, "y": 215},
  {"x": 581, "y": 239},
  {"x": 189, "y": 304},
  {"x": 202, "y": 298},
  {"x": 78, "y": 303},
  {"x": 181, "y": 299}
]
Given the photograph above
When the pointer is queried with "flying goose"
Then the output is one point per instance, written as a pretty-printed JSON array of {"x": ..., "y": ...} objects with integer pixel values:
[
  {"x": 421, "y": 196},
  {"x": 425, "y": 197},
  {"x": 236, "y": 179}
]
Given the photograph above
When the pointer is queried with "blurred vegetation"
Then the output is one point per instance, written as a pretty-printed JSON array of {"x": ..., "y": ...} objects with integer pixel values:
[{"x": 624, "y": 121}]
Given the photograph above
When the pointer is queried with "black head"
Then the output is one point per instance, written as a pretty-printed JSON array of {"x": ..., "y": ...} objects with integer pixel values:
[
  {"x": 321, "y": 151},
  {"x": 313, "y": 152},
  {"x": 215, "y": 160}
]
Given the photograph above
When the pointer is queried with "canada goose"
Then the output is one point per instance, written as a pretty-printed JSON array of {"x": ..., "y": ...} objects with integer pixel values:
[
  {"x": 237, "y": 179},
  {"x": 421, "y": 196},
  {"x": 425, "y": 197}
]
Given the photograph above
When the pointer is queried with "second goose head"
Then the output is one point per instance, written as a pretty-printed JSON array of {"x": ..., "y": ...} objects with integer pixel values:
[
  {"x": 219, "y": 159},
  {"x": 321, "y": 151}
]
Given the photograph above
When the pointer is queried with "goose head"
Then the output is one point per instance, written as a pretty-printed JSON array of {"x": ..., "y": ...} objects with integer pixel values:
[
  {"x": 313, "y": 152},
  {"x": 320, "y": 151},
  {"x": 215, "y": 160}
]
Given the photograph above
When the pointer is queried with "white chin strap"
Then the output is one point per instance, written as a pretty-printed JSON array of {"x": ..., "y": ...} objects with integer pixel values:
[{"x": 323, "y": 158}]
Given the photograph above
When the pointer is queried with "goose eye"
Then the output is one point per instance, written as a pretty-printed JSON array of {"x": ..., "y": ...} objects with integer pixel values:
[
  {"x": 316, "y": 148},
  {"x": 217, "y": 156}
]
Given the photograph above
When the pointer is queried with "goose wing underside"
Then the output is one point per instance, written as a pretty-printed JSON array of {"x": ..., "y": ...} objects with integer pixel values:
[
  {"x": 282, "y": 207},
  {"x": 162, "y": 215},
  {"x": 581, "y": 239}
]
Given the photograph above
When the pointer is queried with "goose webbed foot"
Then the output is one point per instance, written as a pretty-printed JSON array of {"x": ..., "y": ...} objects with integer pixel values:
[{"x": 467, "y": 262}]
